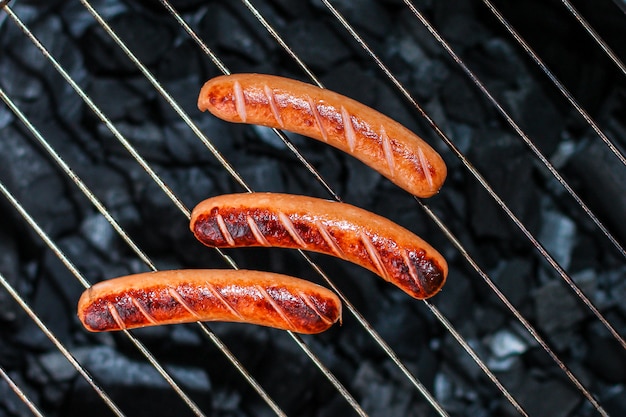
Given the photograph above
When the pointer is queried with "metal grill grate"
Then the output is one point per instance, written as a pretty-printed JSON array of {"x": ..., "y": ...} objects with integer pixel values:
[{"x": 444, "y": 222}]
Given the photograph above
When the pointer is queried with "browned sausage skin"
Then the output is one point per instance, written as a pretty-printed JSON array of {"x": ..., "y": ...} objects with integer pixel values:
[
  {"x": 183, "y": 296},
  {"x": 339, "y": 229},
  {"x": 375, "y": 139}
]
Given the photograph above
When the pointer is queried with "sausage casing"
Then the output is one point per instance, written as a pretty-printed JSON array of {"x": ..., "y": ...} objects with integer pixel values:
[
  {"x": 183, "y": 296},
  {"x": 375, "y": 139},
  {"x": 339, "y": 229}
]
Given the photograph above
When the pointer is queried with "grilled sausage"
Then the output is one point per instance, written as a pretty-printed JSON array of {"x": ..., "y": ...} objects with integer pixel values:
[
  {"x": 183, "y": 296},
  {"x": 375, "y": 139},
  {"x": 342, "y": 230}
]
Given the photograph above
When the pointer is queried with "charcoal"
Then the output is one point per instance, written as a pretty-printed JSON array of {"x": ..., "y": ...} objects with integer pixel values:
[
  {"x": 604, "y": 190},
  {"x": 147, "y": 139},
  {"x": 10, "y": 403},
  {"x": 77, "y": 18},
  {"x": 537, "y": 116},
  {"x": 366, "y": 15},
  {"x": 497, "y": 65},
  {"x": 379, "y": 397},
  {"x": 462, "y": 32},
  {"x": 185, "y": 91},
  {"x": 34, "y": 182},
  {"x": 98, "y": 232},
  {"x": 193, "y": 173},
  {"x": 558, "y": 235},
  {"x": 616, "y": 404},
  {"x": 508, "y": 172},
  {"x": 184, "y": 146},
  {"x": 148, "y": 39},
  {"x": 120, "y": 99},
  {"x": 558, "y": 309},
  {"x": 135, "y": 385},
  {"x": 463, "y": 101},
  {"x": 230, "y": 28},
  {"x": 9, "y": 269},
  {"x": 506, "y": 343},
  {"x": 513, "y": 278},
  {"x": 328, "y": 49},
  {"x": 488, "y": 319},
  {"x": 348, "y": 79},
  {"x": 20, "y": 85},
  {"x": 563, "y": 398},
  {"x": 605, "y": 359},
  {"x": 456, "y": 300},
  {"x": 402, "y": 329},
  {"x": 263, "y": 175}
]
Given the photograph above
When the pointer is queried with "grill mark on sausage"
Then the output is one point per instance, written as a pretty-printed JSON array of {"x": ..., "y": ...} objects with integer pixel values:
[
  {"x": 425, "y": 167},
  {"x": 387, "y": 150},
  {"x": 330, "y": 241},
  {"x": 348, "y": 128},
  {"x": 116, "y": 316},
  {"x": 374, "y": 255},
  {"x": 179, "y": 298},
  {"x": 288, "y": 224},
  {"x": 240, "y": 101},
  {"x": 142, "y": 309},
  {"x": 318, "y": 119},
  {"x": 272, "y": 102},
  {"x": 258, "y": 235},
  {"x": 224, "y": 230},
  {"x": 277, "y": 308},
  {"x": 223, "y": 300},
  {"x": 412, "y": 270},
  {"x": 309, "y": 302}
]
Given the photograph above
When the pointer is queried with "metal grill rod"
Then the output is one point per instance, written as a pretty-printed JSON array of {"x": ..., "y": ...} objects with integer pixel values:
[
  {"x": 367, "y": 326},
  {"x": 240, "y": 367},
  {"x": 341, "y": 389},
  {"x": 500, "y": 202},
  {"x": 120, "y": 230},
  {"x": 507, "y": 25},
  {"x": 455, "y": 241},
  {"x": 475, "y": 172},
  {"x": 224, "y": 69},
  {"x": 105, "y": 397},
  {"x": 349, "y": 305},
  {"x": 524, "y": 322},
  {"x": 14, "y": 387},
  {"x": 518, "y": 315},
  {"x": 386, "y": 348},
  {"x": 514, "y": 125},
  {"x": 93, "y": 199},
  {"x": 354, "y": 311},
  {"x": 596, "y": 37}
]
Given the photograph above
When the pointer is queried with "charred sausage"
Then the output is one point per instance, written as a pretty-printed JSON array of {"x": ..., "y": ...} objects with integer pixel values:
[
  {"x": 375, "y": 139},
  {"x": 339, "y": 229},
  {"x": 183, "y": 296}
]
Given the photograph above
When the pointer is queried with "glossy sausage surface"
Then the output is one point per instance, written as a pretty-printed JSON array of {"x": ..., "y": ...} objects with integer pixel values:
[
  {"x": 375, "y": 139},
  {"x": 339, "y": 229},
  {"x": 183, "y": 296}
]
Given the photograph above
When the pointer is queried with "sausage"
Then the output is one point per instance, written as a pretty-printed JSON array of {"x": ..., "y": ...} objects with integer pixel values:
[
  {"x": 375, "y": 139},
  {"x": 330, "y": 227},
  {"x": 184, "y": 296}
]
